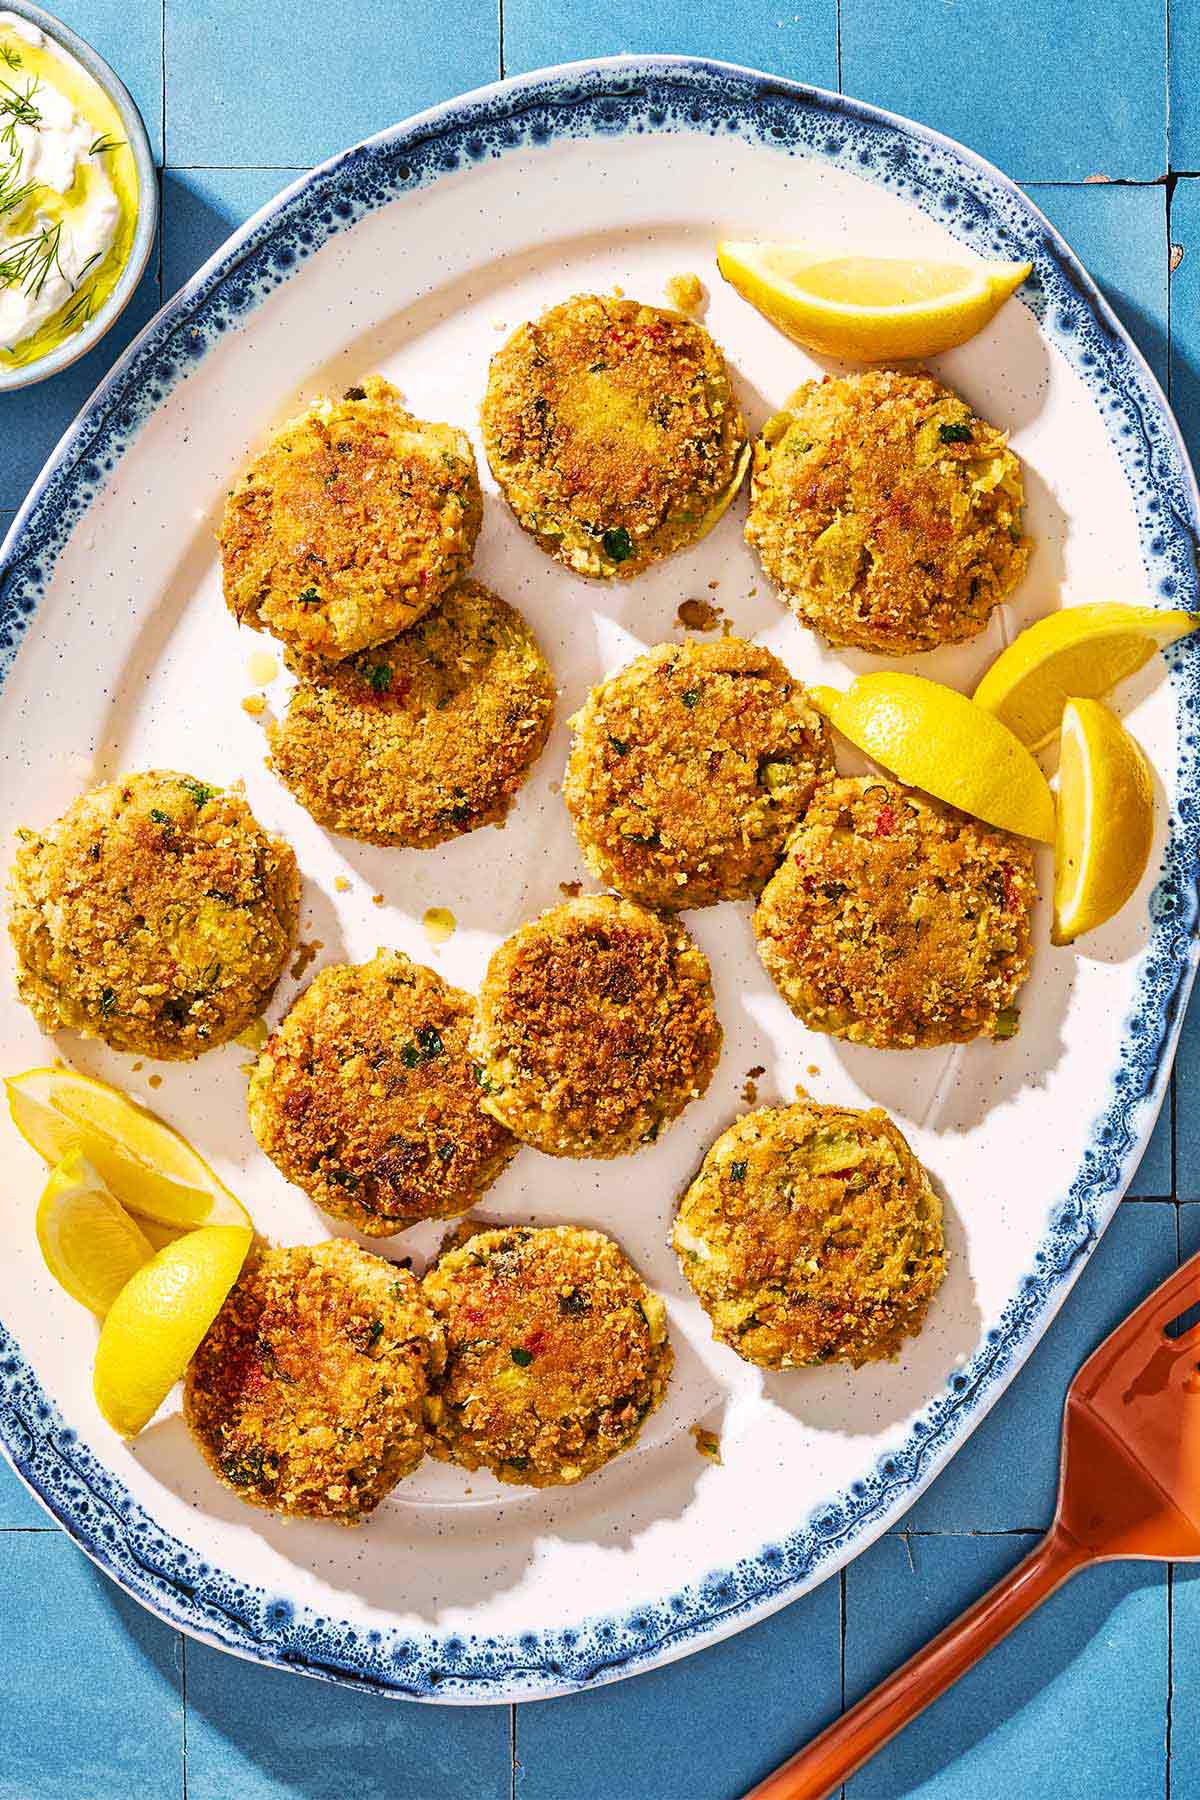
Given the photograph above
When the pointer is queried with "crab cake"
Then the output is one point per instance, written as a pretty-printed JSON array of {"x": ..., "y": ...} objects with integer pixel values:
[
  {"x": 156, "y": 914},
  {"x": 897, "y": 921},
  {"x": 613, "y": 432},
  {"x": 811, "y": 1233},
  {"x": 365, "y": 1097},
  {"x": 595, "y": 1028},
  {"x": 307, "y": 1394},
  {"x": 556, "y": 1351},
  {"x": 425, "y": 737},
  {"x": 354, "y": 521},
  {"x": 886, "y": 512},
  {"x": 689, "y": 769}
]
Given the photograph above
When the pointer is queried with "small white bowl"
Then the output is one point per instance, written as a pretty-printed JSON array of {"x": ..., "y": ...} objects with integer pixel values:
[{"x": 147, "y": 220}]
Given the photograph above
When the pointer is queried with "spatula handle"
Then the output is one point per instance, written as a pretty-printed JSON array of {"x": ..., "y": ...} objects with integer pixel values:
[{"x": 848, "y": 1743}]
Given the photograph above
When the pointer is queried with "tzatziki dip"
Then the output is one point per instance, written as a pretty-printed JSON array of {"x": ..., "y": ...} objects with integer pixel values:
[{"x": 68, "y": 194}]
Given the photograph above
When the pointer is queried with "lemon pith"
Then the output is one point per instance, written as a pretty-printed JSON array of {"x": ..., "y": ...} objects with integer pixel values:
[
  {"x": 1105, "y": 819},
  {"x": 90, "y": 1244},
  {"x": 934, "y": 738},
  {"x": 157, "y": 1321},
  {"x": 1082, "y": 651},
  {"x": 868, "y": 308},
  {"x": 148, "y": 1167}
]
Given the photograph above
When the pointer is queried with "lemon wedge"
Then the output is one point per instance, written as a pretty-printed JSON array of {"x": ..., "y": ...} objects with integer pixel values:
[
  {"x": 147, "y": 1166},
  {"x": 157, "y": 1321},
  {"x": 933, "y": 737},
  {"x": 90, "y": 1244},
  {"x": 868, "y": 308},
  {"x": 1105, "y": 819},
  {"x": 1081, "y": 650}
]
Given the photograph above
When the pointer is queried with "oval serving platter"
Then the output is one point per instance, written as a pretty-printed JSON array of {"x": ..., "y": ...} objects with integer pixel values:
[{"x": 411, "y": 255}]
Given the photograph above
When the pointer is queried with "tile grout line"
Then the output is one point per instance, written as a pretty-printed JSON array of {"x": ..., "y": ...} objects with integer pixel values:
[
  {"x": 837, "y": 33},
  {"x": 842, "y": 1654},
  {"x": 162, "y": 105},
  {"x": 183, "y": 1644},
  {"x": 512, "y": 1750}
]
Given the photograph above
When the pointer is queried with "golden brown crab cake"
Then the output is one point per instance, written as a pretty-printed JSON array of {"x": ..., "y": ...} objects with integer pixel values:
[
  {"x": 156, "y": 914},
  {"x": 307, "y": 1395},
  {"x": 886, "y": 512},
  {"x": 556, "y": 1352},
  {"x": 425, "y": 737},
  {"x": 811, "y": 1234},
  {"x": 366, "y": 1098},
  {"x": 689, "y": 769},
  {"x": 896, "y": 921},
  {"x": 355, "y": 520},
  {"x": 614, "y": 434},
  {"x": 595, "y": 1028}
]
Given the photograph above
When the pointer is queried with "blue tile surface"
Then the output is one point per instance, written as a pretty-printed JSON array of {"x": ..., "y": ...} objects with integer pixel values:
[
  {"x": 200, "y": 209},
  {"x": 259, "y": 1734},
  {"x": 1050, "y": 93},
  {"x": 97, "y": 1700},
  {"x": 262, "y": 87},
  {"x": 708, "y": 1727},
  {"x": 1120, "y": 234},
  {"x": 1184, "y": 18},
  {"x": 90, "y": 1697},
  {"x": 1070, "y": 1707},
  {"x": 798, "y": 40},
  {"x": 991, "y": 1486}
]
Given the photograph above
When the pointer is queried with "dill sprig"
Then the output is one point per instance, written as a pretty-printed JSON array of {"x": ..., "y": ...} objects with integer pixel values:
[
  {"x": 16, "y": 108},
  {"x": 102, "y": 145},
  {"x": 27, "y": 262},
  {"x": 13, "y": 191},
  {"x": 9, "y": 56},
  {"x": 79, "y": 312}
]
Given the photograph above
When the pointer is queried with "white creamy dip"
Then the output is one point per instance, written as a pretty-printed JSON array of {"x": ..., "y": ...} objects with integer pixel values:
[{"x": 61, "y": 231}]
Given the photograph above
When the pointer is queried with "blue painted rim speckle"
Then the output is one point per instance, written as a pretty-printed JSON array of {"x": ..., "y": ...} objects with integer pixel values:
[{"x": 612, "y": 99}]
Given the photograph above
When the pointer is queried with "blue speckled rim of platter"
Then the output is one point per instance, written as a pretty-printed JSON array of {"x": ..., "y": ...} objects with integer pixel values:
[{"x": 605, "y": 100}]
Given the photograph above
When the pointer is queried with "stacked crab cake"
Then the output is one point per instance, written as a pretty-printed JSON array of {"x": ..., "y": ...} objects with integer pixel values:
[
  {"x": 366, "y": 1098},
  {"x": 425, "y": 737},
  {"x": 307, "y": 1395},
  {"x": 595, "y": 1028},
  {"x": 897, "y": 921},
  {"x": 556, "y": 1352},
  {"x": 689, "y": 769},
  {"x": 811, "y": 1233},
  {"x": 613, "y": 432},
  {"x": 156, "y": 914},
  {"x": 886, "y": 512},
  {"x": 354, "y": 521}
]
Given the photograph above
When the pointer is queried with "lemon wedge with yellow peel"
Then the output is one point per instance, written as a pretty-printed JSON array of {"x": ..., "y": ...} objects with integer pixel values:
[
  {"x": 90, "y": 1243},
  {"x": 868, "y": 308},
  {"x": 156, "y": 1323},
  {"x": 147, "y": 1166},
  {"x": 933, "y": 737},
  {"x": 1105, "y": 819},
  {"x": 1082, "y": 651}
]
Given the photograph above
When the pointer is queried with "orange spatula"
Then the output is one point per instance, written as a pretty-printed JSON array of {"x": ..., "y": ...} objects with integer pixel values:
[{"x": 1129, "y": 1486}]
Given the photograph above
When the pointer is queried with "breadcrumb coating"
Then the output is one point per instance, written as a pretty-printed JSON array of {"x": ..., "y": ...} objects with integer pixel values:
[
  {"x": 556, "y": 1353},
  {"x": 307, "y": 1394},
  {"x": 688, "y": 770},
  {"x": 426, "y": 737},
  {"x": 595, "y": 1027},
  {"x": 156, "y": 914},
  {"x": 896, "y": 921},
  {"x": 352, "y": 522},
  {"x": 811, "y": 1233},
  {"x": 366, "y": 1098},
  {"x": 614, "y": 433},
  {"x": 886, "y": 512}
]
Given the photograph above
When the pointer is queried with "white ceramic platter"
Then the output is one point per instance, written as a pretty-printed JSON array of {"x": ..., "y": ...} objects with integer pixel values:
[{"x": 412, "y": 256}]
